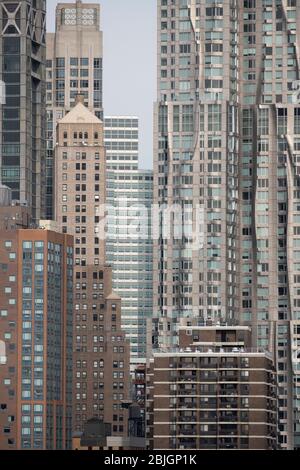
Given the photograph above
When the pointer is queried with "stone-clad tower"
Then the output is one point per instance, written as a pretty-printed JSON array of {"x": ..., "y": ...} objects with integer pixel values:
[{"x": 73, "y": 66}]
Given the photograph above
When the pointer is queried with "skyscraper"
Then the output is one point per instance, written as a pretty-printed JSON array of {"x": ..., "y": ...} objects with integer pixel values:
[
  {"x": 23, "y": 115},
  {"x": 74, "y": 65},
  {"x": 36, "y": 316},
  {"x": 129, "y": 241},
  {"x": 269, "y": 195},
  {"x": 195, "y": 164},
  {"x": 101, "y": 352},
  {"x": 227, "y": 138}
]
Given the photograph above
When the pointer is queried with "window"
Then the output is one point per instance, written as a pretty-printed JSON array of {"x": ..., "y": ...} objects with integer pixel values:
[{"x": 297, "y": 120}]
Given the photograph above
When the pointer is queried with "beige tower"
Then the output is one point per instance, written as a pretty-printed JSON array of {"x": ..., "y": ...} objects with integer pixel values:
[
  {"x": 80, "y": 182},
  {"x": 101, "y": 353},
  {"x": 74, "y": 65}
]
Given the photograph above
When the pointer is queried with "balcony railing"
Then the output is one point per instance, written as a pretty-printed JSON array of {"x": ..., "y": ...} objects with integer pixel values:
[{"x": 213, "y": 351}]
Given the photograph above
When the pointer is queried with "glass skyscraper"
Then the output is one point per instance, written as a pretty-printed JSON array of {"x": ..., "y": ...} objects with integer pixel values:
[
  {"x": 129, "y": 242},
  {"x": 227, "y": 146},
  {"x": 23, "y": 114},
  {"x": 196, "y": 164}
]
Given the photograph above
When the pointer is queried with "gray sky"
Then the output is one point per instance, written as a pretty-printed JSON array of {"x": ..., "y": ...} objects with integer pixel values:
[{"x": 129, "y": 29}]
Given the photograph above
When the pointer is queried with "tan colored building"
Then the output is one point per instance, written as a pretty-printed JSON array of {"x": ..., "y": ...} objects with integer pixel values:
[
  {"x": 212, "y": 392},
  {"x": 101, "y": 353},
  {"x": 36, "y": 296},
  {"x": 80, "y": 182},
  {"x": 74, "y": 65}
]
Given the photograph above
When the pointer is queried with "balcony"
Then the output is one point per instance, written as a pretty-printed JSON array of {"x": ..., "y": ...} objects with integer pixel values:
[
  {"x": 186, "y": 378},
  {"x": 229, "y": 377},
  {"x": 184, "y": 391},
  {"x": 231, "y": 401},
  {"x": 187, "y": 432},
  {"x": 186, "y": 419},
  {"x": 232, "y": 417}
]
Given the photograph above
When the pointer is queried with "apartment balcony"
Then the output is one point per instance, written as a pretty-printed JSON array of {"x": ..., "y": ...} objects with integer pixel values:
[
  {"x": 232, "y": 417},
  {"x": 187, "y": 432},
  {"x": 229, "y": 378},
  {"x": 186, "y": 391},
  {"x": 228, "y": 391},
  {"x": 188, "y": 404},
  {"x": 228, "y": 443},
  {"x": 186, "y": 378},
  {"x": 187, "y": 443},
  {"x": 228, "y": 431},
  {"x": 185, "y": 419}
]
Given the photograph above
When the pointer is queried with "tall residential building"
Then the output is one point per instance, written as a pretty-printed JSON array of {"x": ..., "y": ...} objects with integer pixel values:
[
  {"x": 129, "y": 241},
  {"x": 23, "y": 114},
  {"x": 228, "y": 136},
  {"x": 36, "y": 314},
  {"x": 195, "y": 164},
  {"x": 269, "y": 294},
  {"x": 213, "y": 392},
  {"x": 101, "y": 352},
  {"x": 74, "y": 65}
]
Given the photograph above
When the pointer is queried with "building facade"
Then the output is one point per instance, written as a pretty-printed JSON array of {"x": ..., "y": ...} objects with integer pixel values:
[
  {"x": 129, "y": 241},
  {"x": 213, "y": 392},
  {"x": 269, "y": 196},
  {"x": 195, "y": 164},
  {"x": 36, "y": 290},
  {"x": 226, "y": 137},
  {"x": 23, "y": 111},
  {"x": 74, "y": 66},
  {"x": 101, "y": 352}
]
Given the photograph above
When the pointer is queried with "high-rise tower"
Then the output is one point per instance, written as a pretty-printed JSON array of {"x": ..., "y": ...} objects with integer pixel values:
[
  {"x": 100, "y": 350},
  {"x": 36, "y": 317},
  {"x": 269, "y": 294},
  {"x": 74, "y": 66},
  {"x": 195, "y": 164},
  {"x": 227, "y": 137},
  {"x": 129, "y": 243},
  {"x": 23, "y": 114}
]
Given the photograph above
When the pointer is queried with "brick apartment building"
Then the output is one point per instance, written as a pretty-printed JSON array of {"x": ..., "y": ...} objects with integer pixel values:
[{"x": 212, "y": 392}]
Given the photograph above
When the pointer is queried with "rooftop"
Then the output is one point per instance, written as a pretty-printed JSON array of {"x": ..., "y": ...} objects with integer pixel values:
[{"x": 80, "y": 114}]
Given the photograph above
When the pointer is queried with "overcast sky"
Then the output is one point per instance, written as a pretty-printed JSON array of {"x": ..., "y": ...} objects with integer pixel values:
[{"x": 129, "y": 28}]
